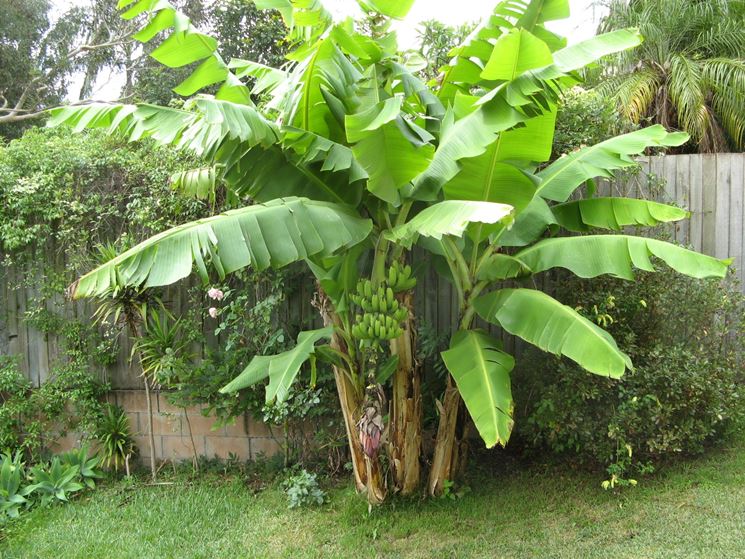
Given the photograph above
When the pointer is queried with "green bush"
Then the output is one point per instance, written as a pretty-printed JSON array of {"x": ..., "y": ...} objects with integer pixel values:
[
  {"x": 686, "y": 340},
  {"x": 247, "y": 315},
  {"x": 302, "y": 490},
  {"x": 31, "y": 419},
  {"x": 585, "y": 119},
  {"x": 45, "y": 483},
  {"x": 114, "y": 437}
]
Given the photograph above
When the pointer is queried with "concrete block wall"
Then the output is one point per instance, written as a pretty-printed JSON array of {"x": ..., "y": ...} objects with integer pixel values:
[{"x": 247, "y": 439}]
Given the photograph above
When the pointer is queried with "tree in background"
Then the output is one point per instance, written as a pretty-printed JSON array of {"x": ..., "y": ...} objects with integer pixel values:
[
  {"x": 436, "y": 40},
  {"x": 586, "y": 118},
  {"x": 38, "y": 56},
  {"x": 689, "y": 73}
]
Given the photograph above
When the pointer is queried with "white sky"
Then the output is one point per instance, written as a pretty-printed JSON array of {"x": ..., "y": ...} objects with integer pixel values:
[{"x": 582, "y": 24}]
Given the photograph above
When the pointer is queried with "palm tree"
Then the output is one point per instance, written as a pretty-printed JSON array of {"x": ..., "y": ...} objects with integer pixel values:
[{"x": 689, "y": 73}]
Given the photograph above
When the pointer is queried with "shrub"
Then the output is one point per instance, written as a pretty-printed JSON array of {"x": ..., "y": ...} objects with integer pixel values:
[
  {"x": 302, "y": 489},
  {"x": 31, "y": 419},
  {"x": 585, "y": 119},
  {"x": 86, "y": 464},
  {"x": 13, "y": 389},
  {"x": 114, "y": 437},
  {"x": 12, "y": 491},
  {"x": 44, "y": 483},
  {"x": 685, "y": 338},
  {"x": 55, "y": 481},
  {"x": 248, "y": 318}
]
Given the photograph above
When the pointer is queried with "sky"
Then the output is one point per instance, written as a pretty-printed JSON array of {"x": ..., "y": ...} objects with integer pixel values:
[{"x": 582, "y": 24}]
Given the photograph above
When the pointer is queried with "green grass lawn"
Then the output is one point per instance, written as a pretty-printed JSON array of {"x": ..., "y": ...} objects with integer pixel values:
[{"x": 696, "y": 509}]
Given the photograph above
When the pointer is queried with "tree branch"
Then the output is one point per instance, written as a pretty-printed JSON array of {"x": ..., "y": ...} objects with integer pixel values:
[
  {"x": 19, "y": 112},
  {"x": 17, "y": 116}
]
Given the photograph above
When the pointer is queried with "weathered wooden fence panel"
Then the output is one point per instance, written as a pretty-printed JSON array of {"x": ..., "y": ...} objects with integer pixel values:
[{"x": 710, "y": 186}]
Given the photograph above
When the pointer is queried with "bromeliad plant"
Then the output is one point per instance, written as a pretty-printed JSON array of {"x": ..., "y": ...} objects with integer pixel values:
[{"x": 349, "y": 161}]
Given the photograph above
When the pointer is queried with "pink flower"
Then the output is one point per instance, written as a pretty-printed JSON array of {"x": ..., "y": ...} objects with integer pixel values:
[
  {"x": 215, "y": 294},
  {"x": 212, "y": 312}
]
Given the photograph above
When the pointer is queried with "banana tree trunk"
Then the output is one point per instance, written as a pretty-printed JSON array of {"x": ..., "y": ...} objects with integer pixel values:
[
  {"x": 350, "y": 405},
  {"x": 376, "y": 490},
  {"x": 406, "y": 412},
  {"x": 368, "y": 476},
  {"x": 449, "y": 454}
]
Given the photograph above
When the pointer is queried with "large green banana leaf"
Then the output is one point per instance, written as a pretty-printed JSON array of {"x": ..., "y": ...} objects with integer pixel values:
[
  {"x": 450, "y": 217},
  {"x": 530, "y": 224},
  {"x": 266, "y": 174},
  {"x": 486, "y": 177},
  {"x": 564, "y": 175},
  {"x": 196, "y": 183},
  {"x": 202, "y": 130},
  {"x": 585, "y": 52},
  {"x": 324, "y": 74},
  {"x": 482, "y": 372},
  {"x": 500, "y": 266},
  {"x": 526, "y": 97},
  {"x": 589, "y": 256},
  {"x": 314, "y": 149},
  {"x": 515, "y": 52},
  {"x": 267, "y": 78},
  {"x": 272, "y": 234},
  {"x": 614, "y": 213},
  {"x": 545, "y": 322},
  {"x": 465, "y": 137},
  {"x": 185, "y": 45},
  {"x": 396, "y": 9},
  {"x": 464, "y": 71},
  {"x": 387, "y": 148},
  {"x": 565, "y": 61},
  {"x": 281, "y": 369}
]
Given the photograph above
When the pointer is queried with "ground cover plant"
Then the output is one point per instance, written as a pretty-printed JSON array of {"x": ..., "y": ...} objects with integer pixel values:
[{"x": 348, "y": 161}]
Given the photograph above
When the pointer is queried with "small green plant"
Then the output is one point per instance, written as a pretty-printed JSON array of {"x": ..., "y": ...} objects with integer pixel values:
[
  {"x": 302, "y": 490},
  {"x": 87, "y": 465},
  {"x": 12, "y": 494},
  {"x": 54, "y": 482},
  {"x": 115, "y": 437},
  {"x": 452, "y": 491}
]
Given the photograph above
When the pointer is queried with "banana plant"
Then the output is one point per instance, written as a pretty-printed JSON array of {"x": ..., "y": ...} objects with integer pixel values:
[{"x": 349, "y": 161}]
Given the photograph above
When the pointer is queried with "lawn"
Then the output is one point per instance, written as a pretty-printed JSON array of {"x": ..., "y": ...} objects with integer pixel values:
[{"x": 693, "y": 509}]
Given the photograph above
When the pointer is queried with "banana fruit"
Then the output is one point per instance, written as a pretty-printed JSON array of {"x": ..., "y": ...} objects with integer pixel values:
[{"x": 382, "y": 313}]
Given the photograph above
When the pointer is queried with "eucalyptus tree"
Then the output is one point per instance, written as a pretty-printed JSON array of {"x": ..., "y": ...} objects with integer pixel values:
[{"x": 352, "y": 161}]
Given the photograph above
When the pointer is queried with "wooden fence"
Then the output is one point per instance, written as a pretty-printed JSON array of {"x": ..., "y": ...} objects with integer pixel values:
[{"x": 710, "y": 186}]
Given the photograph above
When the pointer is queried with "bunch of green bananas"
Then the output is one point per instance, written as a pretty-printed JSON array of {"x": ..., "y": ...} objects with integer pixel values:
[
  {"x": 400, "y": 278},
  {"x": 376, "y": 326},
  {"x": 383, "y": 313}
]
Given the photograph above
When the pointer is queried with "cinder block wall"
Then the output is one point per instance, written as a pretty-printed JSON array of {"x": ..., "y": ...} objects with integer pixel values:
[{"x": 247, "y": 439}]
